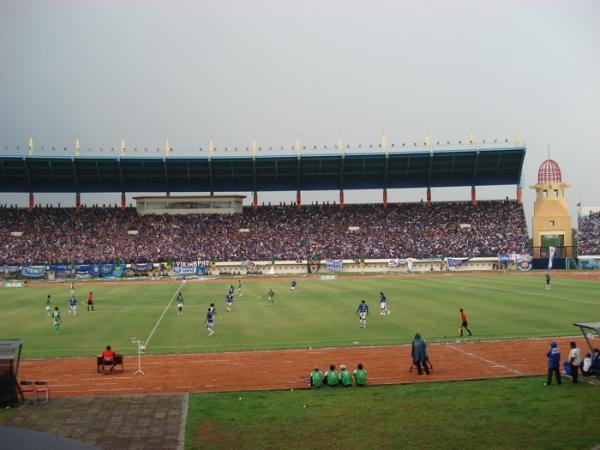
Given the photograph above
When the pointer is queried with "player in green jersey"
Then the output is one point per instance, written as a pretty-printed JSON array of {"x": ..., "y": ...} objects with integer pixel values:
[
  {"x": 316, "y": 378},
  {"x": 270, "y": 296},
  {"x": 345, "y": 376},
  {"x": 360, "y": 375},
  {"x": 332, "y": 377},
  {"x": 179, "y": 301},
  {"x": 56, "y": 320}
]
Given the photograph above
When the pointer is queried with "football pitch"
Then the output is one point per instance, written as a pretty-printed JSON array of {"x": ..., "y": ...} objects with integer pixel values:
[{"x": 320, "y": 314}]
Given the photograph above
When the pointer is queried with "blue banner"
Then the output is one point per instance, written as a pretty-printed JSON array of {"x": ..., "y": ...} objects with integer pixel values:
[
  {"x": 589, "y": 264},
  {"x": 188, "y": 268},
  {"x": 334, "y": 265},
  {"x": 10, "y": 269},
  {"x": 33, "y": 272},
  {"x": 456, "y": 262},
  {"x": 524, "y": 262},
  {"x": 142, "y": 266}
]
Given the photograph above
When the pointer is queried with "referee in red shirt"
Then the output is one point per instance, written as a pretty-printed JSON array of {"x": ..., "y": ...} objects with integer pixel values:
[{"x": 463, "y": 323}]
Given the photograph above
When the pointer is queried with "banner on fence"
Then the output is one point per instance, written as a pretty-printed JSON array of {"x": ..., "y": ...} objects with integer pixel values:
[
  {"x": 524, "y": 262},
  {"x": 9, "y": 269},
  {"x": 551, "y": 251},
  {"x": 334, "y": 265},
  {"x": 189, "y": 268},
  {"x": 453, "y": 263},
  {"x": 142, "y": 266},
  {"x": 33, "y": 271}
]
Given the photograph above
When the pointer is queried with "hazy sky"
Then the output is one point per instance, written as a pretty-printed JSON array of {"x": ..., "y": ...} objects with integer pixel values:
[{"x": 186, "y": 70}]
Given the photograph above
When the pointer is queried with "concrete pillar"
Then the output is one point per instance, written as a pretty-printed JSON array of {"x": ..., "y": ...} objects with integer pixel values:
[
  {"x": 385, "y": 197},
  {"x": 473, "y": 196},
  {"x": 31, "y": 202},
  {"x": 254, "y": 201},
  {"x": 519, "y": 195},
  {"x": 77, "y": 202},
  {"x": 123, "y": 200},
  {"x": 428, "y": 196},
  {"x": 341, "y": 198},
  {"x": 298, "y": 199}
]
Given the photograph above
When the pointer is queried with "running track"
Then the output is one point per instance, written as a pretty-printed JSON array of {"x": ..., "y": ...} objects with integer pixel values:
[{"x": 286, "y": 369}]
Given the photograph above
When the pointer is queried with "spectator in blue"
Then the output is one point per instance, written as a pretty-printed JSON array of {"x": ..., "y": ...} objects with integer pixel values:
[{"x": 553, "y": 356}]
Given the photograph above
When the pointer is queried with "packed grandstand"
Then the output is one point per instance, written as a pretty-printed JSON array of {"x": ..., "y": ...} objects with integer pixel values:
[
  {"x": 284, "y": 232},
  {"x": 589, "y": 234}
]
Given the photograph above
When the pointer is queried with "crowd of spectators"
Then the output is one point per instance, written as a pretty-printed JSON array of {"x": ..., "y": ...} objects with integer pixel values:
[
  {"x": 589, "y": 234},
  {"x": 95, "y": 235}
]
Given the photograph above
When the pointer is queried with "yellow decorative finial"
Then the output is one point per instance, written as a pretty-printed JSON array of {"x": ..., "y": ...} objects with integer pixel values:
[
  {"x": 123, "y": 148},
  {"x": 254, "y": 145},
  {"x": 471, "y": 139},
  {"x": 211, "y": 147},
  {"x": 427, "y": 140},
  {"x": 30, "y": 148},
  {"x": 77, "y": 147},
  {"x": 297, "y": 144},
  {"x": 340, "y": 144},
  {"x": 517, "y": 137},
  {"x": 167, "y": 147},
  {"x": 383, "y": 142}
]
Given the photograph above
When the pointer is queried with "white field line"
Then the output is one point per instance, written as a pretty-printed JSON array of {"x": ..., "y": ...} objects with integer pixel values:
[
  {"x": 495, "y": 364},
  {"x": 162, "y": 315}
]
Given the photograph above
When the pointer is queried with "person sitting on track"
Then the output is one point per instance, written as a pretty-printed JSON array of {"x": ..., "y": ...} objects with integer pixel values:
[
  {"x": 108, "y": 357},
  {"x": 316, "y": 378},
  {"x": 345, "y": 376},
  {"x": 360, "y": 375},
  {"x": 332, "y": 377}
]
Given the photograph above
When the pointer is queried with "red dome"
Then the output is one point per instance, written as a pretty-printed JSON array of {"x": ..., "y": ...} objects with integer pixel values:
[{"x": 549, "y": 172}]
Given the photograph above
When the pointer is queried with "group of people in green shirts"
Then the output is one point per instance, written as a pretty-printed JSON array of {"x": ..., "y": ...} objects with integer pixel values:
[{"x": 333, "y": 378}]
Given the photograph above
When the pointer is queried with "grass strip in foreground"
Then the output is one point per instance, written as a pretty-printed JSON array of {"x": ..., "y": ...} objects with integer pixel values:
[{"x": 507, "y": 413}]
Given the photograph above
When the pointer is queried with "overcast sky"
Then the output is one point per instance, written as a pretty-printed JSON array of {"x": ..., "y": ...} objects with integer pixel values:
[{"x": 188, "y": 70}]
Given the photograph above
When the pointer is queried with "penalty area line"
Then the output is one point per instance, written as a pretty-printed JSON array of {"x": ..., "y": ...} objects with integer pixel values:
[{"x": 162, "y": 315}]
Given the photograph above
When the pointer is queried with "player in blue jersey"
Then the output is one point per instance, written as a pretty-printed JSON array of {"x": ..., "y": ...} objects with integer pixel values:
[
  {"x": 72, "y": 306},
  {"x": 209, "y": 322},
  {"x": 293, "y": 286},
  {"x": 383, "y": 309},
  {"x": 228, "y": 302},
  {"x": 363, "y": 312}
]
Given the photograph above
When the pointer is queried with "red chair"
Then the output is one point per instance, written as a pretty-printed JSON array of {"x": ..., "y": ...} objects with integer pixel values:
[
  {"x": 27, "y": 386},
  {"x": 41, "y": 387}
]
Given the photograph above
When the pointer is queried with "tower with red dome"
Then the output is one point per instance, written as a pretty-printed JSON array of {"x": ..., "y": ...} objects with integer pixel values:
[{"x": 551, "y": 223}]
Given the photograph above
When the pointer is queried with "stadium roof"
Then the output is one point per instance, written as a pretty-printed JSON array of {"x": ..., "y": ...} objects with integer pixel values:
[{"x": 349, "y": 170}]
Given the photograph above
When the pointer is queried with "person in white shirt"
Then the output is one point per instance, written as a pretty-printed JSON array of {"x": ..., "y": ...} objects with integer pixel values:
[
  {"x": 574, "y": 361},
  {"x": 587, "y": 364}
]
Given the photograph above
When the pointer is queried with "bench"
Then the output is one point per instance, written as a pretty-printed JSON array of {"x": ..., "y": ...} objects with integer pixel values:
[{"x": 118, "y": 363}]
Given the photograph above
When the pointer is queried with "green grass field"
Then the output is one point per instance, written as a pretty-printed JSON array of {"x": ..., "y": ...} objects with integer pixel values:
[
  {"x": 515, "y": 413},
  {"x": 321, "y": 313}
]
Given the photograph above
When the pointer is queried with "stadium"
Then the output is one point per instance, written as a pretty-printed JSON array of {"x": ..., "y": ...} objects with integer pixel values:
[
  {"x": 295, "y": 272},
  {"x": 299, "y": 225}
]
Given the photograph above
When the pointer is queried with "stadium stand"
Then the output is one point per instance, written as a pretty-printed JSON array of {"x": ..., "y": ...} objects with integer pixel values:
[
  {"x": 589, "y": 234},
  {"x": 95, "y": 235}
]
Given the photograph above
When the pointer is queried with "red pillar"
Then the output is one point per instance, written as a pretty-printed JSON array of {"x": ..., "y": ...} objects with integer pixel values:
[
  {"x": 255, "y": 201},
  {"x": 298, "y": 199},
  {"x": 77, "y": 202},
  {"x": 31, "y": 202},
  {"x": 341, "y": 198},
  {"x": 123, "y": 200},
  {"x": 384, "y": 197},
  {"x": 473, "y": 196},
  {"x": 519, "y": 195},
  {"x": 428, "y": 196}
]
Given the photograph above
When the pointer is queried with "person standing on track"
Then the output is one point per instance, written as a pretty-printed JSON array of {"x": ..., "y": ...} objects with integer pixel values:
[
  {"x": 419, "y": 354},
  {"x": 553, "y": 356},
  {"x": 90, "y": 301},
  {"x": 574, "y": 361},
  {"x": 464, "y": 324},
  {"x": 363, "y": 312}
]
